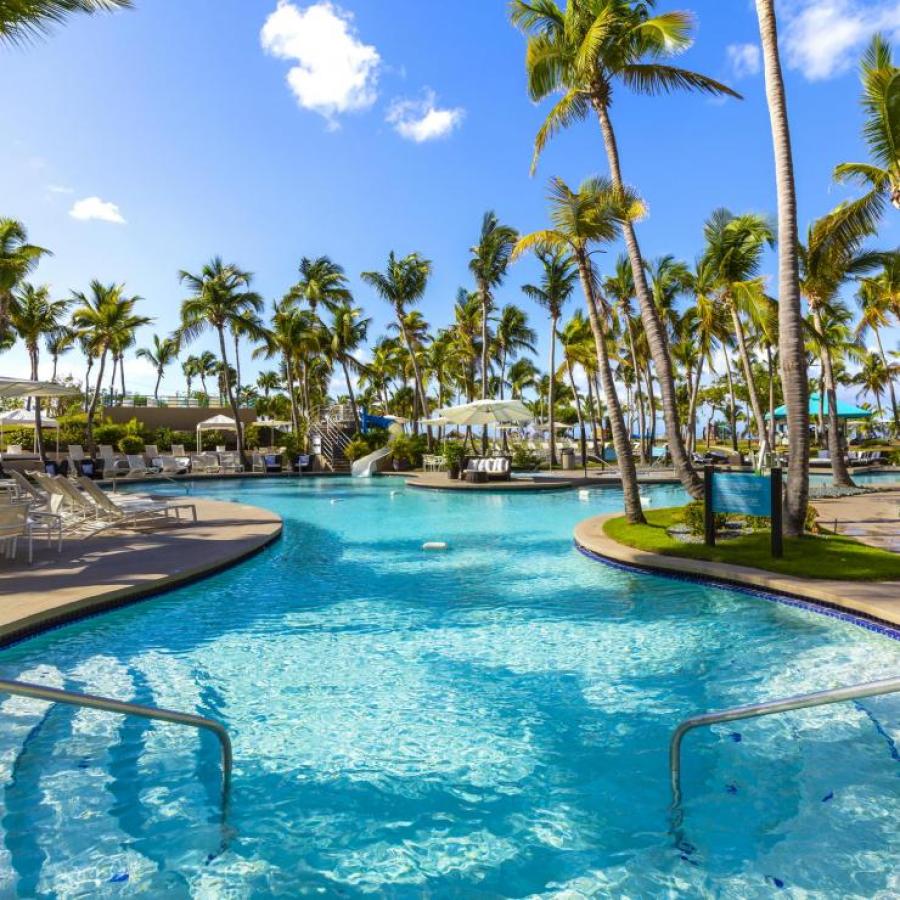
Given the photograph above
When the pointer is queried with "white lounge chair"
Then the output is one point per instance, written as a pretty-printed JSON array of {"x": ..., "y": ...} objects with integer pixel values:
[
  {"x": 13, "y": 526},
  {"x": 205, "y": 462},
  {"x": 137, "y": 467},
  {"x": 113, "y": 464},
  {"x": 126, "y": 510}
]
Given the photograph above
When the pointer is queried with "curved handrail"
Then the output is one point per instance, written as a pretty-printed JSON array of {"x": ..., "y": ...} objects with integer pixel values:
[
  {"x": 753, "y": 710},
  {"x": 54, "y": 695}
]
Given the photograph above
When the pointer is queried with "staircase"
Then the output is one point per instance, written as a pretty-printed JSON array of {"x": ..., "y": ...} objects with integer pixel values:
[{"x": 335, "y": 429}]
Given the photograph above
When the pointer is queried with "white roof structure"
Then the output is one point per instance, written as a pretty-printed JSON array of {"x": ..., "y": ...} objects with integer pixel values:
[
  {"x": 24, "y": 418},
  {"x": 217, "y": 423},
  {"x": 24, "y": 387}
]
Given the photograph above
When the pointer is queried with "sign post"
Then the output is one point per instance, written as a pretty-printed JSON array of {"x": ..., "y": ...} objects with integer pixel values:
[{"x": 742, "y": 494}]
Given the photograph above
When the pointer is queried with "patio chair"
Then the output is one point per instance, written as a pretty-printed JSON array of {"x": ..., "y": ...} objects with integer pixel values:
[
  {"x": 206, "y": 463},
  {"x": 181, "y": 457},
  {"x": 230, "y": 462},
  {"x": 113, "y": 465},
  {"x": 14, "y": 450},
  {"x": 137, "y": 467},
  {"x": 13, "y": 526},
  {"x": 132, "y": 509}
]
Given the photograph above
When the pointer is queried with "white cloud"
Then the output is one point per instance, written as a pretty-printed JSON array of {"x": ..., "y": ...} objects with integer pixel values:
[
  {"x": 823, "y": 38},
  {"x": 60, "y": 189},
  {"x": 93, "y": 208},
  {"x": 744, "y": 59},
  {"x": 422, "y": 120},
  {"x": 334, "y": 71}
]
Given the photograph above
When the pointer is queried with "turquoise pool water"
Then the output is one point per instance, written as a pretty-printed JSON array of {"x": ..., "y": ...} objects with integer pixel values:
[
  {"x": 487, "y": 722},
  {"x": 875, "y": 479}
]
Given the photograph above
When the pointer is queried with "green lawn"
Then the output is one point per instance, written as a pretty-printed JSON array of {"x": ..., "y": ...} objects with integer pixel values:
[{"x": 812, "y": 556}]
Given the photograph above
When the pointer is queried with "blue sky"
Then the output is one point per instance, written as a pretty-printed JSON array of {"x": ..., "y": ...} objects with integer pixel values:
[{"x": 140, "y": 143}]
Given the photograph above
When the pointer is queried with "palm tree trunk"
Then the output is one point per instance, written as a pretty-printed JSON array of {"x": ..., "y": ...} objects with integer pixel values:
[
  {"x": 352, "y": 395},
  {"x": 592, "y": 409},
  {"x": 887, "y": 369},
  {"x": 733, "y": 411},
  {"x": 651, "y": 403},
  {"x": 840, "y": 475},
  {"x": 237, "y": 364},
  {"x": 87, "y": 383},
  {"x": 792, "y": 352},
  {"x": 417, "y": 375},
  {"x": 92, "y": 406},
  {"x": 748, "y": 372},
  {"x": 692, "y": 406},
  {"x": 621, "y": 439},
  {"x": 485, "y": 300},
  {"x": 640, "y": 394},
  {"x": 232, "y": 402},
  {"x": 572, "y": 385},
  {"x": 122, "y": 375},
  {"x": 551, "y": 400},
  {"x": 656, "y": 335},
  {"x": 156, "y": 389},
  {"x": 38, "y": 432},
  {"x": 771, "y": 368}
]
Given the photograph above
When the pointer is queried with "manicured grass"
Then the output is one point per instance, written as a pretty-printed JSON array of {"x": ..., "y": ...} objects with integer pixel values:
[{"x": 812, "y": 556}]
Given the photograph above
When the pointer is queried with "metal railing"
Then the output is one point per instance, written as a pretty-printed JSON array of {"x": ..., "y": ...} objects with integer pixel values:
[
  {"x": 54, "y": 695},
  {"x": 754, "y": 710}
]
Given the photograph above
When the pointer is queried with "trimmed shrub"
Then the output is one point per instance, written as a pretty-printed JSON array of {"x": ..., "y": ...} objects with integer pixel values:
[
  {"x": 131, "y": 443},
  {"x": 692, "y": 516}
]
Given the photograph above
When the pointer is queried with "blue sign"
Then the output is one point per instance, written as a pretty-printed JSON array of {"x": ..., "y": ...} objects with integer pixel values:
[{"x": 746, "y": 495}]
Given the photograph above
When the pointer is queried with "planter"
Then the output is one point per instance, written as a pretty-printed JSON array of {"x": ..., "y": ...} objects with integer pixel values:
[{"x": 453, "y": 473}]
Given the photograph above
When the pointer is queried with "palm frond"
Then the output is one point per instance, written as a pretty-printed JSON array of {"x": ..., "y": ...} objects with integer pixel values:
[
  {"x": 572, "y": 107},
  {"x": 654, "y": 78}
]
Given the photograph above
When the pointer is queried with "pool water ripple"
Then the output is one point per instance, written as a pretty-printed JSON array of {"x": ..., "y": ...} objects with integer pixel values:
[{"x": 490, "y": 721}]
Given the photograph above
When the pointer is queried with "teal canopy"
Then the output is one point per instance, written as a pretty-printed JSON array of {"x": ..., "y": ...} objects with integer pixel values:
[{"x": 844, "y": 410}]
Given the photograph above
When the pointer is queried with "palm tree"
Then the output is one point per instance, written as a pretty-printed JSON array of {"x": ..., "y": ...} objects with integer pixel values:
[
  {"x": 17, "y": 259},
  {"x": 267, "y": 382},
  {"x": 559, "y": 275},
  {"x": 162, "y": 354},
  {"x": 220, "y": 298},
  {"x": 489, "y": 262},
  {"x": 583, "y": 52},
  {"x": 103, "y": 316},
  {"x": 21, "y": 20},
  {"x": 347, "y": 331},
  {"x": 881, "y": 84},
  {"x": 403, "y": 284},
  {"x": 58, "y": 342},
  {"x": 875, "y": 377},
  {"x": 322, "y": 282},
  {"x": 190, "y": 368},
  {"x": 572, "y": 338},
  {"x": 791, "y": 349},
  {"x": 512, "y": 336},
  {"x": 523, "y": 375},
  {"x": 593, "y": 215},
  {"x": 829, "y": 258},
  {"x": 34, "y": 315},
  {"x": 879, "y": 301},
  {"x": 734, "y": 252}
]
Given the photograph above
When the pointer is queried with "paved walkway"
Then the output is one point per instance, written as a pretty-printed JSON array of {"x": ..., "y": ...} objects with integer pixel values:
[
  {"x": 875, "y": 599},
  {"x": 116, "y": 566},
  {"x": 871, "y": 518}
]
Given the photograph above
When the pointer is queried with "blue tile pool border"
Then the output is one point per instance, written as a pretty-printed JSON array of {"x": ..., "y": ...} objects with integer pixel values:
[{"x": 820, "y": 607}]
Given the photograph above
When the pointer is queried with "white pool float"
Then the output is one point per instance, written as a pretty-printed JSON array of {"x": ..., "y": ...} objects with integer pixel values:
[
  {"x": 434, "y": 545},
  {"x": 584, "y": 494}
]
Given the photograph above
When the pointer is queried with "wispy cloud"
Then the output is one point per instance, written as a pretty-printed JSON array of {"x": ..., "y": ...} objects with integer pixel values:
[
  {"x": 744, "y": 59},
  {"x": 95, "y": 209},
  {"x": 60, "y": 189},
  {"x": 823, "y": 38},
  {"x": 422, "y": 120},
  {"x": 334, "y": 71}
]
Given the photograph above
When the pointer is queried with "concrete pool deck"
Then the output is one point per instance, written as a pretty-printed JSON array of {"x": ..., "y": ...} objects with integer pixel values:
[
  {"x": 878, "y": 600},
  {"x": 119, "y": 566},
  {"x": 559, "y": 481}
]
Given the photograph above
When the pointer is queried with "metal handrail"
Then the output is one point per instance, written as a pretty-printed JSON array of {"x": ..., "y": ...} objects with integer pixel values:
[
  {"x": 54, "y": 695},
  {"x": 753, "y": 710}
]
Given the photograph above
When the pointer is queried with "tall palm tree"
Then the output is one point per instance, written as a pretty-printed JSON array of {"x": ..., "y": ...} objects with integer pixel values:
[
  {"x": 584, "y": 52},
  {"x": 791, "y": 348},
  {"x": 580, "y": 219},
  {"x": 881, "y": 104},
  {"x": 512, "y": 336},
  {"x": 488, "y": 264},
  {"x": 403, "y": 284},
  {"x": 523, "y": 375},
  {"x": 267, "y": 382},
  {"x": 18, "y": 258},
  {"x": 879, "y": 302},
  {"x": 322, "y": 283},
  {"x": 161, "y": 355},
  {"x": 347, "y": 330},
  {"x": 21, "y": 20},
  {"x": 34, "y": 315},
  {"x": 58, "y": 342},
  {"x": 874, "y": 378},
  {"x": 573, "y": 338},
  {"x": 831, "y": 256},
  {"x": 220, "y": 297},
  {"x": 103, "y": 315},
  {"x": 558, "y": 278},
  {"x": 190, "y": 368}
]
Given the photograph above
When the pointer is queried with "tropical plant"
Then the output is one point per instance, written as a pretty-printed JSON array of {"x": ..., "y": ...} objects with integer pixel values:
[
  {"x": 162, "y": 354},
  {"x": 220, "y": 297},
  {"x": 593, "y": 215},
  {"x": 21, "y": 20},
  {"x": 59, "y": 341},
  {"x": 322, "y": 282},
  {"x": 18, "y": 258},
  {"x": 584, "y": 52},
  {"x": 791, "y": 350},
  {"x": 345, "y": 333},
  {"x": 875, "y": 378}
]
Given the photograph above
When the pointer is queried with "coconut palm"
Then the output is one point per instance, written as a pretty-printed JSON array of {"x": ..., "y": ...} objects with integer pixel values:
[
  {"x": 558, "y": 278},
  {"x": 162, "y": 354},
  {"x": 403, "y": 284},
  {"x": 523, "y": 375},
  {"x": 21, "y": 20},
  {"x": 580, "y": 219},
  {"x": 322, "y": 283},
  {"x": 512, "y": 336},
  {"x": 103, "y": 317},
  {"x": 267, "y": 382},
  {"x": 831, "y": 256},
  {"x": 220, "y": 298},
  {"x": 875, "y": 377},
  {"x": 575, "y": 338},
  {"x": 881, "y": 104},
  {"x": 17, "y": 259},
  {"x": 791, "y": 349},
  {"x": 488, "y": 264},
  {"x": 33, "y": 315},
  {"x": 879, "y": 302},
  {"x": 584, "y": 52},
  {"x": 345, "y": 333},
  {"x": 58, "y": 342}
]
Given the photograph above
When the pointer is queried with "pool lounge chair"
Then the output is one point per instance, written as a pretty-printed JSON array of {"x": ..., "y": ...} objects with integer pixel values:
[
  {"x": 113, "y": 465},
  {"x": 137, "y": 467},
  {"x": 183, "y": 459},
  {"x": 13, "y": 526},
  {"x": 133, "y": 509},
  {"x": 206, "y": 463}
]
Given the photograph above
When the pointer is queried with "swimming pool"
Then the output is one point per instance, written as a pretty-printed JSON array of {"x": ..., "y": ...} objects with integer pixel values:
[
  {"x": 490, "y": 721},
  {"x": 874, "y": 479}
]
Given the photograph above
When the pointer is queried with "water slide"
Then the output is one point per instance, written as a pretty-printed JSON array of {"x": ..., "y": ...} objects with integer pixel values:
[{"x": 368, "y": 465}]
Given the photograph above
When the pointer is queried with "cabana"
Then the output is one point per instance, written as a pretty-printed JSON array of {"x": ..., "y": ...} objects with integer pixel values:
[
  {"x": 845, "y": 410},
  {"x": 25, "y": 418},
  {"x": 216, "y": 423}
]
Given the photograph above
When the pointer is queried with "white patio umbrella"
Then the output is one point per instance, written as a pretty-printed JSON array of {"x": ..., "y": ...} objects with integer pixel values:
[
  {"x": 486, "y": 412},
  {"x": 433, "y": 422},
  {"x": 25, "y": 418},
  {"x": 23, "y": 387}
]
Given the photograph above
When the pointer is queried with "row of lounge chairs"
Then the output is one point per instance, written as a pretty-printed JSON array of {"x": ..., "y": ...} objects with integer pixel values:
[{"x": 153, "y": 462}]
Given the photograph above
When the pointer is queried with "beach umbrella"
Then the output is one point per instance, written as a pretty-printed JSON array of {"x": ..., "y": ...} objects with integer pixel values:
[
  {"x": 23, "y": 387},
  {"x": 486, "y": 412}
]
